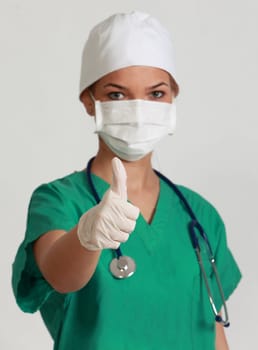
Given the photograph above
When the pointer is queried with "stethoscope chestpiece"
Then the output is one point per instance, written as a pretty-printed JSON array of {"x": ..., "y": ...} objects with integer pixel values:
[{"x": 122, "y": 267}]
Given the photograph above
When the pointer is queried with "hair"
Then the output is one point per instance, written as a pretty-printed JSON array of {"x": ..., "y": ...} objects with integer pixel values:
[{"x": 174, "y": 86}]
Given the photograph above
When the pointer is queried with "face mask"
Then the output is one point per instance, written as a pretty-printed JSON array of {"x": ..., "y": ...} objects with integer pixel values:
[{"x": 132, "y": 128}]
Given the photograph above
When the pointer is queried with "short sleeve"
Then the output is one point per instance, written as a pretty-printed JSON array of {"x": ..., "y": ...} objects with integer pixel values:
[
  {"x": 227, "y": 267},
  {"x": 47, "y": 211}
]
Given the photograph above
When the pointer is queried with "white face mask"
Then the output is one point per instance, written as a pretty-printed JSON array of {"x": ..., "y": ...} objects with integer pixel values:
[{"x": 132, "y": 128}]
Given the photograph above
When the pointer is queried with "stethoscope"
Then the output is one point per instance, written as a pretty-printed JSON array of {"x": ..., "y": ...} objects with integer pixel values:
[{"x": 124, "y": 266}]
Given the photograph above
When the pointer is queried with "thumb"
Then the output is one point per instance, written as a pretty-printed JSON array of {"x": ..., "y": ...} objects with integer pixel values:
[{"x": 119, "y": 178}]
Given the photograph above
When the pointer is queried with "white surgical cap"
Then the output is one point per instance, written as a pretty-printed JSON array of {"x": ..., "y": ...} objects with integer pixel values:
[{"x": 123, "y": 40}]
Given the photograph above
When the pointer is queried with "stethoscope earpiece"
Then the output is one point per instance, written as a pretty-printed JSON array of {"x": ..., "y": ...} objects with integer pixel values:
[{"x": 218, "y": 319}]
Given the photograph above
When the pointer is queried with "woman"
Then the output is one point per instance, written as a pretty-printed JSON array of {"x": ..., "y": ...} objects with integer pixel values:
[{"x": 121, "y": 207}]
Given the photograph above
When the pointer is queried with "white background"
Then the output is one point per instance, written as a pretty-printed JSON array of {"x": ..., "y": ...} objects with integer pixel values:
[{"x": 45, "y": 133}]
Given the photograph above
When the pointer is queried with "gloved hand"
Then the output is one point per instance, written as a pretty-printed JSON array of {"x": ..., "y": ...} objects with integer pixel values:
[{"x": 111, "y": 221}]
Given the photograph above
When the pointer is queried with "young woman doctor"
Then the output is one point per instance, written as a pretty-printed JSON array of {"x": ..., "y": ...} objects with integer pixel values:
[{"x": 120, "y": 206}]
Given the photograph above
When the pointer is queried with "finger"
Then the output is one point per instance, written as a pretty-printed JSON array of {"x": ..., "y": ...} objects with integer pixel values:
[
  {"x": 132, "y": 212},
  {"x": 125, "y": 225},
  {"x": 121, "y": 237},
  {"x": 118, "y": 185}
]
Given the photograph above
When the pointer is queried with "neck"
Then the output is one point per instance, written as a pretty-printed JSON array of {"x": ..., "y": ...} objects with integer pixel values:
[{"x": 140, "y": 174}]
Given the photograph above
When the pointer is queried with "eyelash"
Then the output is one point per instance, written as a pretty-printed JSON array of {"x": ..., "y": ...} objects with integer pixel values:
[
  {"x": 113, "y": 95},
  {"x": 117, "y": 95},
  {"x": 160, "y": 93}
]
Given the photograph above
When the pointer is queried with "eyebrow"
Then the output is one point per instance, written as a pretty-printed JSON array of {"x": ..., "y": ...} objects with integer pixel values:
[
  {"x": 124, "y": 88},
  {"x": 115, "y": 86},
  {"x": 158, "y": 85}
]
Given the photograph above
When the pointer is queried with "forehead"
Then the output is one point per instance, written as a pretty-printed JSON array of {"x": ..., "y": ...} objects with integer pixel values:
[{"x": 135, "y": 74}]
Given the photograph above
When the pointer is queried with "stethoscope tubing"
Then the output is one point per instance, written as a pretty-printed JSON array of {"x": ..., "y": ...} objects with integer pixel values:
[{"x": 194, "y": 224}]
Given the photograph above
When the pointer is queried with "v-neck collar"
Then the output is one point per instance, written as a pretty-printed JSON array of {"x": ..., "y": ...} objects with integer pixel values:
[
  {"x": 149, "y": 233},
  {"x": 103, "y": 186},
  {"x": 160, "y": 210},
  {"x": 155, "y": 215}
]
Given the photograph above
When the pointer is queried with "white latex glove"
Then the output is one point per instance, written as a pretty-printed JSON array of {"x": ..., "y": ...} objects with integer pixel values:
[{"x": 111, "y": 221}]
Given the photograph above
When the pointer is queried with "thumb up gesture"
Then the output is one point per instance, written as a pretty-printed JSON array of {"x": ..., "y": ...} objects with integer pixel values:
[{"x": 110, "y": 222}]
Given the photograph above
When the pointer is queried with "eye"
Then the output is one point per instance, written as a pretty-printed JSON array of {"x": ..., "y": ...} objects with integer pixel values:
[
  {"x": 157, "y": 94},
  {"x": 116, "y": 95}
]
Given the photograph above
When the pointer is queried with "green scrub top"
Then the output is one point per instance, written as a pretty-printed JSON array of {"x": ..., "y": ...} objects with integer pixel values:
[{"x": 164, "y": 305}]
